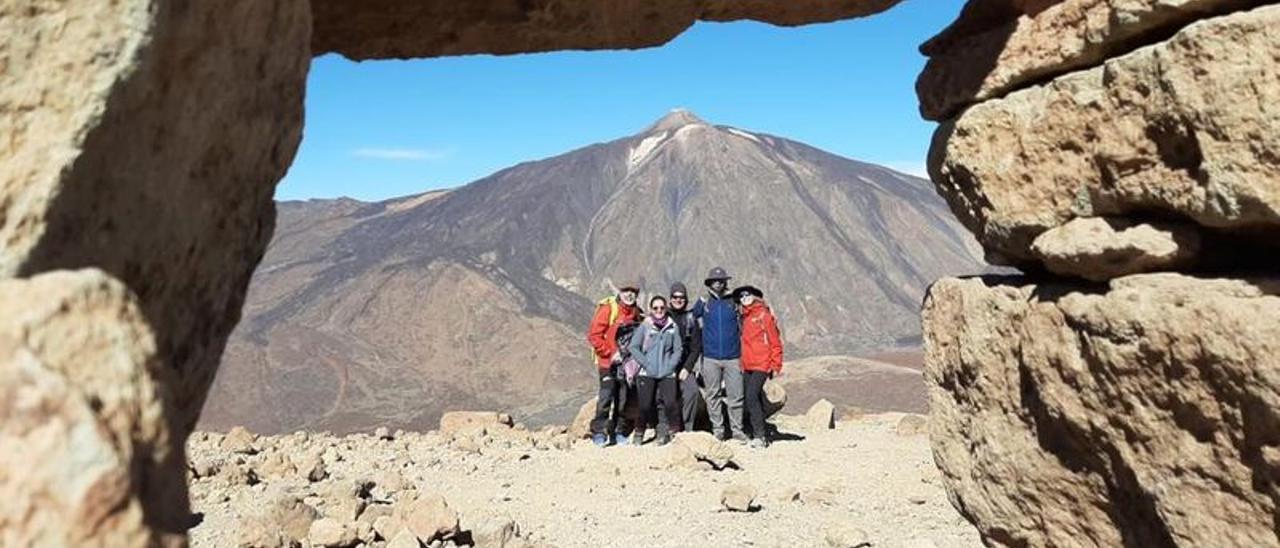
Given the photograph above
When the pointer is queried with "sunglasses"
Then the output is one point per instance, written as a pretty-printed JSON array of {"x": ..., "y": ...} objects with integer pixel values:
[
  {"x": 659, "y": 307},
  {"x": 677, "y": 297}
]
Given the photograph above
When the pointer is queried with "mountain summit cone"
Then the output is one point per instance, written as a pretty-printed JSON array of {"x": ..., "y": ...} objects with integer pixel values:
[{"x": 675, "y": 119}]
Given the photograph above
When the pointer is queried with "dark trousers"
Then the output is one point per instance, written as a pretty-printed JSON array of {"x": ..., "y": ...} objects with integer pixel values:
[
  {"x": 611, "y": 404},
  {"x": 754, "y": 381},
  {"x": 652, "y": 391},
  {"x": 690, "y": 393}
]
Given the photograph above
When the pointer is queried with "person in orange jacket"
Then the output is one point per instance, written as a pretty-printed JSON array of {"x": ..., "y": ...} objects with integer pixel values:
[
  {"x": 761, "y": 356},
  {"x": 619, "y": 311}
]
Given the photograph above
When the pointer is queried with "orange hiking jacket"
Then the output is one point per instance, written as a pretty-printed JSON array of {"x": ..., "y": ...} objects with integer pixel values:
[
  {"x": 603, "y": 334},
  {"x": 761, "y": 341}
]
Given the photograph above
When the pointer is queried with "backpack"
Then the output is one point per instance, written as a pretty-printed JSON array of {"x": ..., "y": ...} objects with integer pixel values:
[
  {"x": 631, "y": 367},
  {"x": 614, "y": 312}
]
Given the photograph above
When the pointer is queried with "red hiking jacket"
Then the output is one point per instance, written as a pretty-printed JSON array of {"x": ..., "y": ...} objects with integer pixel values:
[
  {"x": 761, "y": 341},
  {"x": 602, "y": 334}
]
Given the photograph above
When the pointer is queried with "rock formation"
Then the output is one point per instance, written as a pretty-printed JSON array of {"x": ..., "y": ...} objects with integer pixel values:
[
  {"x": 1129, "y": 409},
  {"x": 144, "y": 138},
  {"x": 1181, "y": 129},
  {"x": 1146, "y": 413},
  {"x": 398, "y": 29},
  {"x": 87, "y": 458}
]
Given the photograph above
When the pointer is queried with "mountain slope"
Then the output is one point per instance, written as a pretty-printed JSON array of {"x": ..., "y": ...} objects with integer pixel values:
[{"x": 389, "y": 313}]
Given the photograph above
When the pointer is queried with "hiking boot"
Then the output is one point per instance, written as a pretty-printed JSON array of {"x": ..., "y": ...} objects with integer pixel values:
[
  {"x": 722, "y": 435},
  {"x": 663, "y": 440},
  {"x": 599, "y": 440},
  {"x": 740, "y": 439},
  {"x": 620, "y": 439},
  {"x": 758, "y": 443},
  {"x": 637, "y": 439}
]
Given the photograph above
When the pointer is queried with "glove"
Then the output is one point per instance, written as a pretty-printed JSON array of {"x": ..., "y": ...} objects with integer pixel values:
[{"x": 684, "y": 374}]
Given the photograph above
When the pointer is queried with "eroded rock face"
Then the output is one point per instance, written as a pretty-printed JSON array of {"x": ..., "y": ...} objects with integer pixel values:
[
  {"x": 1182, "y": 129},
  {"x": 996, "y": 46},
  {"x": 1145, "y": 414},
  {"x": 1100, "y": 249},
  {"x": 145, "y": 138},
  {"x": 376, "y": 29},
  {"x": 86, "y": 459}
]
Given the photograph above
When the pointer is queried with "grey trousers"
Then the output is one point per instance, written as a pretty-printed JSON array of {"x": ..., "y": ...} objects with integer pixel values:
[{"x": 714, "y": 372}]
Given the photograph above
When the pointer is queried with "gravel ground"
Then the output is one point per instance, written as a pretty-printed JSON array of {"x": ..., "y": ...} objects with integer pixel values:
[{"x": 860, "y": 482}]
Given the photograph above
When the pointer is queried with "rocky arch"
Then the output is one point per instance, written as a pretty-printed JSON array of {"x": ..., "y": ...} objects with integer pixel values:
[{"x": 142, "y": 140}]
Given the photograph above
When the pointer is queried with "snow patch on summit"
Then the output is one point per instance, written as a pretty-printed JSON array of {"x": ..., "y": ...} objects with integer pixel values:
[
  {"x": 685, "y": 129},
  {"x": 743, "y": 134},
  {"x": 644, "y": 149}
]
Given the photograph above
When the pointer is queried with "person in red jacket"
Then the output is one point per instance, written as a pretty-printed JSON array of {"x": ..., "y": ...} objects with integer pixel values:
[
  {"x": 612, "y": 313},
  {"x": 761, "y": 356}
]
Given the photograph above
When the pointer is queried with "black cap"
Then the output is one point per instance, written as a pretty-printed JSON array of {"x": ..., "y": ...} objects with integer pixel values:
[
  {"x": 679, "y": 287},
  {"x": 747, "y": 289},
  {"x": 717, "y": 273}
]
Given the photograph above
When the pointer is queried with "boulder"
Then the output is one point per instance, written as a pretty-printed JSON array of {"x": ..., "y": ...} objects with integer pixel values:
[
  {"x": 344, "y": 500},
  {"x": 430, "y": 518},
  {"x": 87, "y": 459},
  {"x": 843, "y": 535},
  {"x": 286, "y": 521},
  {"x": 329, "y": 533},
  {"x": 997, "y": 46},
  {"x": 1134, "y": 414},
  {"x": 493, "y": 531},
  {"x": 240, "y": 440},
  {"x": 455, "y": 422},
  {"x": 688, "y": 449},
  {"x": 404, "y": 539},
  {"x": 820, "y": 417},
  {"x": 775, "y": 398},
  {"x": 276, "y": 465},
  {"x": 581, "y": 427},
  {"x": 912, "y": 425},
  {"x": 1180, "y": 129},
  {"x": 1100, "y": 249},
  {"x": 388, "y": 483},
  {"x": 738, "y": 498},
  {"x": 312, "y": 467},
  {"x": 389, "y": 527}
]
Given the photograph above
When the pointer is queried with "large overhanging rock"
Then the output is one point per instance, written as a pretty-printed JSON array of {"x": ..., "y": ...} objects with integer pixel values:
[
  {"x": 1147, "y": 414},
  {"x": 1183, "y": 129},
  {"x": 996, "y": 46},
  {"x": 145, "y": 138},
  {"x": 87, "y": 458},
  {"x": 372, "y": 29}
]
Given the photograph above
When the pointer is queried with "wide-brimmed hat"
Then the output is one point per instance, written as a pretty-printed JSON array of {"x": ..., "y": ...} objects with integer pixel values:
[
  {"x": 716, "y": 273},
  {"x": 747, "y": 290}
]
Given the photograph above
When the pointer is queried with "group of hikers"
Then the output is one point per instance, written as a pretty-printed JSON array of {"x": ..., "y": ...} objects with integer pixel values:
[{"x": 655, "y": 365}]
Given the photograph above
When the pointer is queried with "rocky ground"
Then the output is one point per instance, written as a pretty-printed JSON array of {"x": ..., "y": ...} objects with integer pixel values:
[{"x": 867, "y": 480}]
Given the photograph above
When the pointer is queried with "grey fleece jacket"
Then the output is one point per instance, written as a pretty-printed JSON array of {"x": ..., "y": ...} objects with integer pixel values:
[{"x": 662, "y": 357}]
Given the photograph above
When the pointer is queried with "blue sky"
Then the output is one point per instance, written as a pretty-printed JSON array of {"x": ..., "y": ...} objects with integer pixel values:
[{"x": 381, "y": 129}]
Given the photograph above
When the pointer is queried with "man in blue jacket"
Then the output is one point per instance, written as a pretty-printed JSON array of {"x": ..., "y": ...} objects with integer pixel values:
[{"x": 718, "y": 316}]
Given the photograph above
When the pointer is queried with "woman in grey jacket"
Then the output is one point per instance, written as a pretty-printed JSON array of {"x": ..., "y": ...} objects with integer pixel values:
[{"x": 656, "y": 347}]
